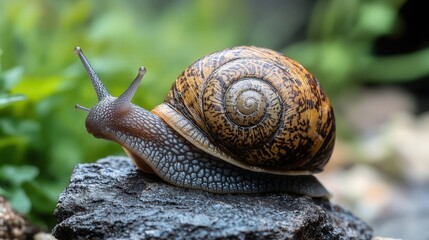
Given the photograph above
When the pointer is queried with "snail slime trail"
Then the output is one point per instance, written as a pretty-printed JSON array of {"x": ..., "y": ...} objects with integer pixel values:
[{"x": 241, "y": 120}]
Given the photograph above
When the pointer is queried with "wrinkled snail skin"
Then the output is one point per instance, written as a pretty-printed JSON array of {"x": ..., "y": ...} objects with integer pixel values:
[
  {"x": 178, "y": 162},
  {"x": 177, "y": 149}
]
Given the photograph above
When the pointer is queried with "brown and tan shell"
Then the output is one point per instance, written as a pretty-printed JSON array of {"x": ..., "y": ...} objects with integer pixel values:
[{"x": 255, "y": 108}]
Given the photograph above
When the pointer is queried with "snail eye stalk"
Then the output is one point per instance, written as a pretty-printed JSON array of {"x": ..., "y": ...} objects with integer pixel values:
[
  {"x": 79, "y": 107},
  {"x": 99, "y": 87}
]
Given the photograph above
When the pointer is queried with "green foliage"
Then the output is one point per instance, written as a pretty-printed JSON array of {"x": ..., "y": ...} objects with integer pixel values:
[
  {"x": 13, "y": 178},
  {"x": 42, "y": 136},
  {"x": 339, "y": 49}
]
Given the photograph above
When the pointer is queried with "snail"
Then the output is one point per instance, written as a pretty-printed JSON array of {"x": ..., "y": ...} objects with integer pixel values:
[{"x": 242, "y": 120}]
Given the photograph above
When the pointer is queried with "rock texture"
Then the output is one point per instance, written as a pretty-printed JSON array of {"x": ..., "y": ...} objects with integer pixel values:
[
  {"x": 14, "y": 225},
  {"x": 110, "y": 199}
]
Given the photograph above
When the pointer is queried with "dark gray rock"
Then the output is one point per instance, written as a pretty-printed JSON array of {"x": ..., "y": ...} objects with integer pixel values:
[{"x": 110, "y": 199}]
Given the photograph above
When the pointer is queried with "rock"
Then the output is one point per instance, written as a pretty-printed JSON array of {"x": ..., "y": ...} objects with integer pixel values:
[
  {"x": 14, "y": 225},
  {"x": 43, "y": 236},
  {"x": 111, "y": 199}
]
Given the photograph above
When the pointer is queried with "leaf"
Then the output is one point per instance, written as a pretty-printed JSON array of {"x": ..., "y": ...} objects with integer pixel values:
[
  {"x": 3, "y": 192},
  {"x": 5, "y": 100},
  {"x": 20, "y": 201},
  {"x": 36, "y": 88},
  {"x": 11, "y": 78},
  {"x": 17, "y": 175}
]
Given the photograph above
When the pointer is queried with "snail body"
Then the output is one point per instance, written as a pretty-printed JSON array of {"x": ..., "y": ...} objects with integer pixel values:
[{"x": 243, "y": 120}]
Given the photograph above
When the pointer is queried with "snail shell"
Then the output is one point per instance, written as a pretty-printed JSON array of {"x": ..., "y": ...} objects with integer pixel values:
[{"x": 254, "y": 108}]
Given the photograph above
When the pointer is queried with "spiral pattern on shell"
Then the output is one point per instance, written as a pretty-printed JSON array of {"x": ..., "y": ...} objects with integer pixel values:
[
  {"x": 260, "y": 107},
  {"x": 240, "y": 113}
]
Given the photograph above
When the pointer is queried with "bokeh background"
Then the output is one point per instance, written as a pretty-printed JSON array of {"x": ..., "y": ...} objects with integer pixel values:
[{"x": 371, "y": 56}]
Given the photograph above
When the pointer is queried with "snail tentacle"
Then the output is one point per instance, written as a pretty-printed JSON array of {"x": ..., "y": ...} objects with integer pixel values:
[{"x": 99, "y": 87}]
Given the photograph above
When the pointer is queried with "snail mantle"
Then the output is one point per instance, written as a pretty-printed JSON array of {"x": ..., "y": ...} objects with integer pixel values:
[{"x": 111, "y": 199}]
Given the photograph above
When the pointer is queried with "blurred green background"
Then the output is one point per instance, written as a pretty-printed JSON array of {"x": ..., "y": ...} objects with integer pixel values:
[{"x": 42, "y": 136}]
